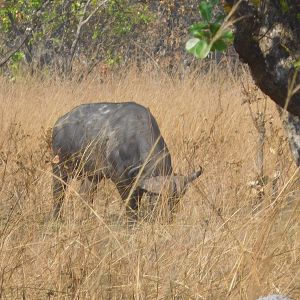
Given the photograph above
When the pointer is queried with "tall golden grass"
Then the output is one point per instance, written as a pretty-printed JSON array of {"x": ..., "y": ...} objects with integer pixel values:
[{"x": 222, "y": 244}]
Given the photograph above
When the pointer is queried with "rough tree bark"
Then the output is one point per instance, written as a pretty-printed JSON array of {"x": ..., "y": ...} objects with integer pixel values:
[{"x": 267, "y": 38}]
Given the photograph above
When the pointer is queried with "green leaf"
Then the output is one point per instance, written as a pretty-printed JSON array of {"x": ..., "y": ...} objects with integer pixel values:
[
  {"x": 199, "y": 30},
  {"x": 214, "y": 27},
  {"x": 205, "y": 9},
  {"x": 284, "y": 6},
  {"x": 219, "y": 45},
  {"x": 198, "y": 27},
  {"x": 202, "y": 49},
  {"x": 191, "y": 44},
  {"x": 220, "y": 18},
  {"x": 199, "y": 34},
  {"x": 297, "y": 64},
  {"x": 18, "y": 56},
  {"x": 228, "y": 36},
  {"x": 199, "y": 48}
]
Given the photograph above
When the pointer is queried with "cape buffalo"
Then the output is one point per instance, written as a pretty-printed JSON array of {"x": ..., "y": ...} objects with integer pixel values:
[{"x": 120, "y": 141}]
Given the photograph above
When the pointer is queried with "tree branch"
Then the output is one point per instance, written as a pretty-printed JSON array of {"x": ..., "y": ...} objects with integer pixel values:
[
  {"x": 16, "y": 49},
  {"x": 26, "y": 35},
  {"x": 82, "y": 22}
]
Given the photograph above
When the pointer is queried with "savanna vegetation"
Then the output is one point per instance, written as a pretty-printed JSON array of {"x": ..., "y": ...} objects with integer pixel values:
[
  {"x": 229, "y": 239},
  {"x": 74, "y": 37}
]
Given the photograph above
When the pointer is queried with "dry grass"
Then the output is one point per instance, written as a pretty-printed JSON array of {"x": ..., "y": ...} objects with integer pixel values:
[{"x": 219, "y": 246}]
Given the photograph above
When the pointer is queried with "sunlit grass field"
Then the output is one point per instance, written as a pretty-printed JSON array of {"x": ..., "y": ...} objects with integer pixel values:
[{"x": 228, "y": 240}]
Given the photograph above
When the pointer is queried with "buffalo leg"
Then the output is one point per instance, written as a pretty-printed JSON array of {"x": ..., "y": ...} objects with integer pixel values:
[
  {"x": 89, "y": 187},
  {"x": 132, "y": 203},
  {"x": 60, "y": 178}
]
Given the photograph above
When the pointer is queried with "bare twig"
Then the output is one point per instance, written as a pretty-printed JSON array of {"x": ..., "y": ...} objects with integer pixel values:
[
  {"x": 82, "y": 22},
  {"x": 293, "y": 88}
]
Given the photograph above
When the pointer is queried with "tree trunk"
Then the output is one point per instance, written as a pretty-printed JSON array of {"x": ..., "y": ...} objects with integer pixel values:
[
  {"x": 291, "y": 124},
  {"x": 267, "y": 38}
]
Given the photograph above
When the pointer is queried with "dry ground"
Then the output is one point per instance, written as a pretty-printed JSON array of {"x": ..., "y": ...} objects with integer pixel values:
[{"x": 222, "y": 244}]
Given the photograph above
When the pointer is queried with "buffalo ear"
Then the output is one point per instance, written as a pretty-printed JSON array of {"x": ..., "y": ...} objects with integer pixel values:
[{"x": 154, "y": 185}]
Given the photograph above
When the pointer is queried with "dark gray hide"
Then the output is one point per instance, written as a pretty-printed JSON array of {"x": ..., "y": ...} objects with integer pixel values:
[{"x": 120, "y": 141}]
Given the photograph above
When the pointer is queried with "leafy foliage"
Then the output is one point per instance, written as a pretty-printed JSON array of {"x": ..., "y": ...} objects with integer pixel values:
[
  {"x": 56, "y": 25},
  {"x": 209, "y": 34},
  {"x": 119, "y": 32}
]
